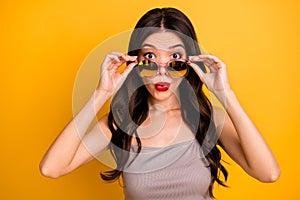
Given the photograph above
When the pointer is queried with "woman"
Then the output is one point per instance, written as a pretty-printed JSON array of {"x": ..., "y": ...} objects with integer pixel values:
[{"x": 162, "y": 130}]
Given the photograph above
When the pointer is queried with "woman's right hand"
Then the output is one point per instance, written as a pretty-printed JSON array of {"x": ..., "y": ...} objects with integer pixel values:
[
  {"x": 110, "y": 79},
  {"x": 76, "y": 140}
]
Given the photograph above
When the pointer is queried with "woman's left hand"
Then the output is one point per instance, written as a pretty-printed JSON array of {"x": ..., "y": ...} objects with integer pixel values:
[{"x": 216, "y": 79}]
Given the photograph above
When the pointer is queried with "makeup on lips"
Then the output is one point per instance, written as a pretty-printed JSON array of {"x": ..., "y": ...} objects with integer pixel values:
[{"x": 162, "y": 86}]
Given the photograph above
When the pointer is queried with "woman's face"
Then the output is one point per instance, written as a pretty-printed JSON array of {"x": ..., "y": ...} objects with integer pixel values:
[{"x": 162, "y": 47}]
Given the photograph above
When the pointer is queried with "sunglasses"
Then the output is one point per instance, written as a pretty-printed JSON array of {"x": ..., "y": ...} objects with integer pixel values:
[{"x": 175, "y": 68}]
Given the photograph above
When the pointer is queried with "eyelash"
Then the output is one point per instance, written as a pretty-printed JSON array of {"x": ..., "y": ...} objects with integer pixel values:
[
  {"x": 177, "y": 53},
  {"x": 150, "y": 53}
]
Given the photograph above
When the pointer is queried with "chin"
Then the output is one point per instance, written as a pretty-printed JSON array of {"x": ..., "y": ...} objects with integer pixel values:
[{"x": 160, "y": 95}]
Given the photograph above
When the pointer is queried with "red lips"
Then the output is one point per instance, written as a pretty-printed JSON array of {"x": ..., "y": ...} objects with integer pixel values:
[{"x": 162, "y": 86}]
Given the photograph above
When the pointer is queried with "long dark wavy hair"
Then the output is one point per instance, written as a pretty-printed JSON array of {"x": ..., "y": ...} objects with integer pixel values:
[{"x": 129, "y": 106}]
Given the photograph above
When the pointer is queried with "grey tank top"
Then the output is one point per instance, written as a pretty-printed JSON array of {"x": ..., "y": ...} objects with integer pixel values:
[{"x": 178, "y": 171}]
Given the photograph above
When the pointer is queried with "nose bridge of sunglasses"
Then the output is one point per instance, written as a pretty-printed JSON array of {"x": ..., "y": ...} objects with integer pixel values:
[
  {"x": 173, "y": 68},
  {"x": 172, "y": 64}
]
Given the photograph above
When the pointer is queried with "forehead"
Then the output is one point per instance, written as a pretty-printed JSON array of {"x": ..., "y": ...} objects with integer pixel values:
[{"x": 163, "y": 40}]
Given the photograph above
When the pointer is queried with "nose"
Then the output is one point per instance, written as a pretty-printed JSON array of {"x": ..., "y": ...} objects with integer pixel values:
[
  {"x": 162, "y": 70},
  {"x": 162, "y": 66}
]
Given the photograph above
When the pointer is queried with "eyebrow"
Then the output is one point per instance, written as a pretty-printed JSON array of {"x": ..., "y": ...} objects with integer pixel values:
[{"x": 170, "y": 47}]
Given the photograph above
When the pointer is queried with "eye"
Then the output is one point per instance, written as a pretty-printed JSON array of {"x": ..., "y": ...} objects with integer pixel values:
[
  {"x": 149, "y": 55},
  {"x": 176, "y": 55}
]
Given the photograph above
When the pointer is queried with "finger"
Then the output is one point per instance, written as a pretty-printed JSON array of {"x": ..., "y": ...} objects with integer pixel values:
[
  {"x": 125, "y": 73},
  {"x": 128, "y": 68},
  {"x": 108, "y": 62},
  {"x": 206, "y": 61},
  {"x": 127, "y": 58},
  {"x": 199, "y": 58},
  {"x": 212, "y": 67},
  {"x": 132, "y": 58},
  {"x": 116, "y": 53},
  {"x": 212, "y": 62},
  {"x": 116, "y": 57},
  {"x": 113, "y": 59},
  {"x": 123, "y": 56},
  {"x": 216, "y": 61}
]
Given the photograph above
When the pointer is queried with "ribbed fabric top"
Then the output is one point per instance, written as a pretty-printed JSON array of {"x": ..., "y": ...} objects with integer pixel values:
[{"x": 178, "y": 171}]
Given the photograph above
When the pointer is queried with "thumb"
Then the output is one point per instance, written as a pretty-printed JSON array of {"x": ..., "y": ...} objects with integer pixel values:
[
  {"x": 125, "y": 73},
  {"x": 128, "y": 69}
]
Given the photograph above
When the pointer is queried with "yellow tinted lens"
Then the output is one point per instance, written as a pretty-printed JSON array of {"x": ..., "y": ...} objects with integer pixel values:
[
  {"x": 177, "y": 69},
  {"x": 147, "y": 68},
  {"x": 177, "y": 74}
]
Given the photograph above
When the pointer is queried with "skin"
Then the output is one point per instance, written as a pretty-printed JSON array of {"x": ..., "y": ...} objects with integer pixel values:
[
  {"x": 163, "y": 106},
  {"x": 241, "y": 139}
]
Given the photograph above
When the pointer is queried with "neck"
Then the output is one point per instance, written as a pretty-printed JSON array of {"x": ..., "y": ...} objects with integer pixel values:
[{"x": 171, "y": 103}]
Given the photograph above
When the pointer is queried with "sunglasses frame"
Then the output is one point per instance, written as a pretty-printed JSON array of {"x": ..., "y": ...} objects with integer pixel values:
[{"x": 187, "y": 62}]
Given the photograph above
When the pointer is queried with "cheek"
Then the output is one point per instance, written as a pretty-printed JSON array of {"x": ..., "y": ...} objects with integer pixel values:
[
  {"x": 176, "y": 83},
  {"x": 147, "y": 81},
  {"x": 150, "y": 87},
  {"x": 148, "y": 84}
]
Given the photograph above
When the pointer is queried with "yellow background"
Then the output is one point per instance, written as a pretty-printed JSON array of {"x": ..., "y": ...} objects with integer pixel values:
[{"x": 43, "y": 44}]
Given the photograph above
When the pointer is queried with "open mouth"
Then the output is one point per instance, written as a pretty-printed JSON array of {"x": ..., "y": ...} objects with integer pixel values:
[{"x": 162, "y": 86}]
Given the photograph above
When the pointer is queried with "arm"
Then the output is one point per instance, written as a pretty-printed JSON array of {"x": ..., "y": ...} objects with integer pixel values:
[
  {"x": 69, "y": 151},
  {"x": 74, "y": 146},
  {"x": 240, "y": 138},
  {"x": 245, "y": 145}
]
